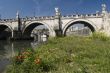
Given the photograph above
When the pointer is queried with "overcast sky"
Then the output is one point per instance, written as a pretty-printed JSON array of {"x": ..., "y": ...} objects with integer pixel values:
[{"x": 8, "y": 8}]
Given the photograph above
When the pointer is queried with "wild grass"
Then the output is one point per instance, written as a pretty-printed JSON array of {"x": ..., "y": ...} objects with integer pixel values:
[
  {"x": 67, "y": 55},
  {"x": 100, "y": 35}
]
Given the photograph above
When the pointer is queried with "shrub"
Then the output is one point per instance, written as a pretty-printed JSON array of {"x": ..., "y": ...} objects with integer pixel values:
[
  {"x": 100, "y": 35},
  {"x": 28, "y": 62}
]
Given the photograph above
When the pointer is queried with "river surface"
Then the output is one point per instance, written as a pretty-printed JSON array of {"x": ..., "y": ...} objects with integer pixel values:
[{"x": 8, "y": 49}]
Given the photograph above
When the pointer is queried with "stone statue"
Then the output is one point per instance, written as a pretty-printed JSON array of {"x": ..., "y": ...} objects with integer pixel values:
[
  {"x": 56, "y": 10},
  {"x": 17, "y": 14},
  {"x": 103, "y": 7}
]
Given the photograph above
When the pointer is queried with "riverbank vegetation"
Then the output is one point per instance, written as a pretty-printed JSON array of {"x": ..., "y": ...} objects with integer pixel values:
[{"x": 66, "y": 55}]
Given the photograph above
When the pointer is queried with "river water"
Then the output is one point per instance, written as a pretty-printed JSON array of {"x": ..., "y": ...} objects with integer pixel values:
[{"x": 8, "y": 49}]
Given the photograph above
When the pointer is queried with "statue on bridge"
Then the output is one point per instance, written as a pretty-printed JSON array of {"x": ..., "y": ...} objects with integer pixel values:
[
  {"x": 103, "y": 7},
  {"x": 56, "y": 10},
  {"x": 17, "y": 14}
]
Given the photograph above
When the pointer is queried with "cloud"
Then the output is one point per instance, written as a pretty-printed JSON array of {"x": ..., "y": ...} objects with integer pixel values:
[
  {"x": 78, "y": 2},
  {"x": 37, "y": 7},
  {"x": 48, "y": 5}
]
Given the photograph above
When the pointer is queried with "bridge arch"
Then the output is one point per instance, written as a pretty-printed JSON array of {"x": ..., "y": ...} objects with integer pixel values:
[
  {"x": 6, "y": 31},
  {"x": 31, "y": 25},
  {"x": 86, "y": 22},
  {"x": 8, "y": 26}
]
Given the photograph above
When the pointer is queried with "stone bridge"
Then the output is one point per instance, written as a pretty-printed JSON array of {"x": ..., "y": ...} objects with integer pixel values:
[{"x": 58, "y": 24}]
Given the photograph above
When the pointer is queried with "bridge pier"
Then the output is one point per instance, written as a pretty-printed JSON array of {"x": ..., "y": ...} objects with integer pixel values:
[
  {"x": 58, "y": 27},
  {"x": 12, "y": 35},
  {"x": 58, "y": 33}
]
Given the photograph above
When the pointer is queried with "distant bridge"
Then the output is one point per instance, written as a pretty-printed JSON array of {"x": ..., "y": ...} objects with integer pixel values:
[{"x": 58, "y": 24}]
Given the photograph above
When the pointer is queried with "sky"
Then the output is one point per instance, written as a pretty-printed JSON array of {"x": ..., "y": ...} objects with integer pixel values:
[{"x": 8, "y": 8}]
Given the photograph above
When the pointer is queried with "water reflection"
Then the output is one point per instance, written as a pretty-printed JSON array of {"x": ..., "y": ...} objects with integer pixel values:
[{"x": 9, "y": 49}]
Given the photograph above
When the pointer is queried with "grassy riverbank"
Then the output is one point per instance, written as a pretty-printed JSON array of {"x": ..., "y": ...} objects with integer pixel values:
[{"x": 66, "y": 55}]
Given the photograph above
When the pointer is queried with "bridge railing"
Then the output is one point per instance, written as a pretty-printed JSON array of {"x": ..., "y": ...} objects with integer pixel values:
[
  {"x": 28, "y": 19},
  {"x": 7, "y": 20},
  {"x": 38, "y": 18},
  {"x": 82, "y": 16},
  {"x": 52, "y": 17}
]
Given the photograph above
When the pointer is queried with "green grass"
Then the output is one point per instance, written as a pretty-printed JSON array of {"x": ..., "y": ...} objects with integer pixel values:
[{"x": 67, "y": 55}]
